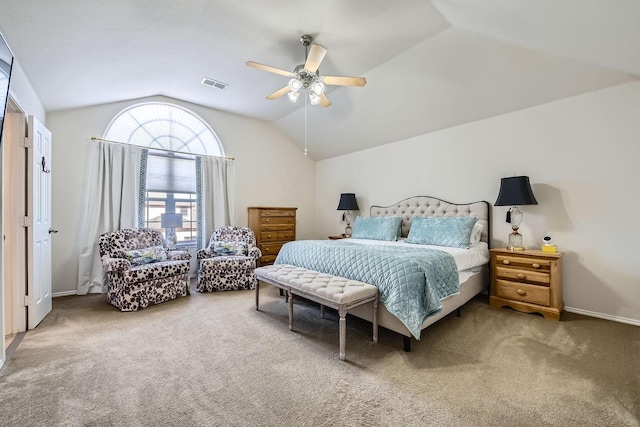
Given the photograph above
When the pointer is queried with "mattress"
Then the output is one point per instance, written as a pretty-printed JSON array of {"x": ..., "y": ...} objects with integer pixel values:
[{"x": 466, "y": 259}]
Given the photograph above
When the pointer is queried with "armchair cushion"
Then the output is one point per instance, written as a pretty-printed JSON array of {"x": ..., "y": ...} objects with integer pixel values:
[
  {"x": 176, "y": 254},
  {"x": 226, "y": 263},
  {"x": 158, "y": 270},
  {"x": 146, "y": 255},
  {"x": 230, "y": 248}
]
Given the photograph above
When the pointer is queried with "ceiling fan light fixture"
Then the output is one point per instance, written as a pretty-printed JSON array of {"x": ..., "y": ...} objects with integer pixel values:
[
  {"x": 317, "y": 87},
  {"x": 295, "y": 84},
  {"x": 314, "y": 99},
  {"x": 293, "y": 95}
]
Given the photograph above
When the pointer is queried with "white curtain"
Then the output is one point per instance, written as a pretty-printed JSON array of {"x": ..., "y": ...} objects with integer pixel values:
[
  {"x": 218, "y": 204},
  {"x": 111, "y": 204}
]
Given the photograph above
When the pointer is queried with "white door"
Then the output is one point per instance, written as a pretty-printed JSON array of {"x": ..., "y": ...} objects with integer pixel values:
[{"x": 38, "y": 222}]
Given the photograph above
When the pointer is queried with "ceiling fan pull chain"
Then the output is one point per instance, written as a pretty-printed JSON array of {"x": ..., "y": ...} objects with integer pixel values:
[{"x": 305, "y": 125}]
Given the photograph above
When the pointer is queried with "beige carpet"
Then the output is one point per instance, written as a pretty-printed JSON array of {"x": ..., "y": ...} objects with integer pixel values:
[{"x": 212, "y": 359}]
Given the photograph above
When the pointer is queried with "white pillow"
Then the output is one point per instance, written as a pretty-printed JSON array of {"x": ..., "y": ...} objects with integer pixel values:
[{"x": 476, "y": 234}]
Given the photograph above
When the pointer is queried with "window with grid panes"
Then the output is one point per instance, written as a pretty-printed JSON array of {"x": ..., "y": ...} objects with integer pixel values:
[{"x": 174, "y": 136}]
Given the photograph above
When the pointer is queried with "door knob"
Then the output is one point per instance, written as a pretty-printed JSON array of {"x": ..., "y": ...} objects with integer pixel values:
[{"x": 53, "y": 230}]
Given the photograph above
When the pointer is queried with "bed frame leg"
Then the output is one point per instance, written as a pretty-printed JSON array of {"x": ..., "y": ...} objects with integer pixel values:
[
  {"x": 458, "y": 312},
  {"x": 406, "y": 343}
]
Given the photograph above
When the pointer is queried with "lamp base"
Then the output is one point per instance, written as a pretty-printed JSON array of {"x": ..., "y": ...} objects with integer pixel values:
[
  {"x": 347, "y": 231},
  {"x": 515, "y": 241}
]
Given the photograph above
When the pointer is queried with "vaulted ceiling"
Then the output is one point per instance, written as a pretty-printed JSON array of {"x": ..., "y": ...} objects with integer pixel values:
[{"x": 430, "y": 65}]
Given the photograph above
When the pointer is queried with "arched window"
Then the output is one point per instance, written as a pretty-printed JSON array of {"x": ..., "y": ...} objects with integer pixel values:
[{"x": 173, "y": 136}]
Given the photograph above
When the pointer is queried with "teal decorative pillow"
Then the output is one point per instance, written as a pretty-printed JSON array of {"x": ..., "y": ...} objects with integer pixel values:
[
  {"x": 454, "y": 232},
  {"x": 146, "y": 255},
  {"x": 230, "y": 248},
  {"x": 378, "y": 228}
]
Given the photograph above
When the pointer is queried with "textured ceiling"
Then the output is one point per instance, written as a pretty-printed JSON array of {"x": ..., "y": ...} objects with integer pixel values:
[{"x": 429, "y": 64}]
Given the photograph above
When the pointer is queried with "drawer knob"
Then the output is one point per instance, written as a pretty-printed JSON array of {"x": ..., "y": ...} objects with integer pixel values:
[
  {"x": 268, "y": 236},
  {"x": 266, "y": 220},
  {"x": 521, "y": 292},
  {"x": 520, "y": 276},
  {"x": 536, "y": 265},
  {"x": 506, "y": 262}
]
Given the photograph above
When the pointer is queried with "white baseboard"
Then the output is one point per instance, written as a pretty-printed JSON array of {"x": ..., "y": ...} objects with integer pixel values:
[
  {"x": 603, "y": 316},
  {"x": 63, "y": 294}
]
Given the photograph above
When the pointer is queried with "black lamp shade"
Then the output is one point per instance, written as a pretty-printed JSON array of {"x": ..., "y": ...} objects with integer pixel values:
[
  {"x": 348, "y": 202},
  {"x": 514, "y": 191}
]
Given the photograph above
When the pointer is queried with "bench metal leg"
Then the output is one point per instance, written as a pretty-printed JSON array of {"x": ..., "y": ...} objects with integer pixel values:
[
  {"x": 375, "y": 320},
  {"x": 342, "y": 310},
  {"x": 321, "y": 311},
  {"x": 290, "y": 295}
]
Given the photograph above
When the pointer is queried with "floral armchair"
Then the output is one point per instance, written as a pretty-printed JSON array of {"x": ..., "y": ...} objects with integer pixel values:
[
  {"x": 229, "y": 261},
  {"x": 140, "y": 270}
]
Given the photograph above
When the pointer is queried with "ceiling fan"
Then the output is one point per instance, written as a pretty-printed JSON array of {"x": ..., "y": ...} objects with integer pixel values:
[{"x": 306, "y": 78}]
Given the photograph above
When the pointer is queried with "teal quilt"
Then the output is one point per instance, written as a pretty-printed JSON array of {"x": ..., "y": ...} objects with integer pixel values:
[{"x": 410, "y": 281}]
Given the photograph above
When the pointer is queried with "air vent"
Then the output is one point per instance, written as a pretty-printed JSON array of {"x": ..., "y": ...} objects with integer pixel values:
[{"x": 213, "y": 83}]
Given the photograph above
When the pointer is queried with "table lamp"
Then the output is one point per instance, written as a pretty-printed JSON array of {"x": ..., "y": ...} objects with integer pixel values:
[
  {"x": 348, "y": 203},
  {"x": 515, "y": 191},
  {"x": 171, "y": 221}
]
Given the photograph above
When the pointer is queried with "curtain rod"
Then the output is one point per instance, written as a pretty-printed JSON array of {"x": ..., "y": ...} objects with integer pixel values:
[{"x": 95, "y": 138}]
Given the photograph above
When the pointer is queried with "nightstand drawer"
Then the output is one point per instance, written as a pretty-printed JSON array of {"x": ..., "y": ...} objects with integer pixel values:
[
  {"x": 522, "y": 262},
  {"x": 522, "y": 292},
  {"x": 522, "y": 275}
]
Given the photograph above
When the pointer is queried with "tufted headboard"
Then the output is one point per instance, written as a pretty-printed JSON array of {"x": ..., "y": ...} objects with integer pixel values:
[{"x": 425, "y": 206}]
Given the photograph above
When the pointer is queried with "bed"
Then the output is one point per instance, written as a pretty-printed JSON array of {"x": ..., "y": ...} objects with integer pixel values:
[{"x": 428, "y": 282}]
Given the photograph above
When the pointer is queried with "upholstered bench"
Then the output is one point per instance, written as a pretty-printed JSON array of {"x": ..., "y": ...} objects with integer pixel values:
[{"x": 327, "y": 290}]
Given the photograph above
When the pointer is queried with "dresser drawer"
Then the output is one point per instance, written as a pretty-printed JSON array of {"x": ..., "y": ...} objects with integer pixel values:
[
  {"x": 277, "y": 236},
  {"x": 523, "y": 262},
  {"x": 278, "y": 227},
  {"x": 267, "y": 259},
  {"x": 522, "y": 275},
  {"x": 274, "y": 212},
  {"x": 277, "y": 220},
  {"x": 270, "y": 249},
  {"x": 522, "y": 292}
]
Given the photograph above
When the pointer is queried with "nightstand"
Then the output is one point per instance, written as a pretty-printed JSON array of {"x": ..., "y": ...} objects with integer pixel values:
[
  {"x": 338, "y": 237},
  {"x": 528, "y": 281}
]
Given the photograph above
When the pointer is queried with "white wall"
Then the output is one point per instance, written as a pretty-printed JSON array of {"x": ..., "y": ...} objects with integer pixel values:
[
  {"x": 24, "y": 94},
  {"x": 269, "y": 169},
  {"x": 581, "y": 154}
]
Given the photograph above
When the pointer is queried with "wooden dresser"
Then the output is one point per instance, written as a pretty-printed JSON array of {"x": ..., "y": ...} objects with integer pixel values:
[
  {"x": 529, "y": 281},
  {"x": 273, "y": 228}
]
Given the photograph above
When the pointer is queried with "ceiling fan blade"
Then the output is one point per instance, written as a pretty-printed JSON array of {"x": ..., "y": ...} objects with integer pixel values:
[
  {"x": 279, "y": 93},
  {"x": 324, "y": 101},
  {"x": 316, "y": 55},
  {"x": 269, "y": 68},
  {"x": 344, "y": 81}
]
